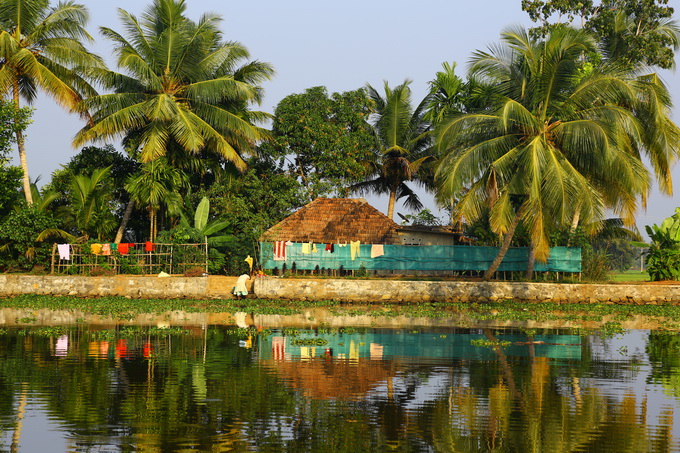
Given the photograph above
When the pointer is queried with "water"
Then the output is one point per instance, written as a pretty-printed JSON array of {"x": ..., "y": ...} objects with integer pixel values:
[{"x": 349, "y": 390}]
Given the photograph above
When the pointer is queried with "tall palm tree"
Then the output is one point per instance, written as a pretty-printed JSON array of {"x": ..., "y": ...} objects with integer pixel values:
[
  {"x": 41, "y": 49},
  {"x": 557, "y": 140},
  {"x": 181, "y": 91},
  {"x": 403, "y": 142}
]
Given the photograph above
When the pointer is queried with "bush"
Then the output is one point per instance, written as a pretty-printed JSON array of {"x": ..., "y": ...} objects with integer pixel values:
[
  {"x": 596, "y": 265},
  {"x": 194, "y": 272},
  {"x": 19, "y": 233},
  {"x": 103, "y": 270}
]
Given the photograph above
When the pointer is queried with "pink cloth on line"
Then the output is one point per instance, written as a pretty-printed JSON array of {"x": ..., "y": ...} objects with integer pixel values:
[{"x": 64, "y": 251}]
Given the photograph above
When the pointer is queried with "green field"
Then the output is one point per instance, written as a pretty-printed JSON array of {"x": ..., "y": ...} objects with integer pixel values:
[{"x": 629, "y": 276}]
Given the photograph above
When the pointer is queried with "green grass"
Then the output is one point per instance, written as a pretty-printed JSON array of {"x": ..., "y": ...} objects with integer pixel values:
[{"x": 629, "y": 276}]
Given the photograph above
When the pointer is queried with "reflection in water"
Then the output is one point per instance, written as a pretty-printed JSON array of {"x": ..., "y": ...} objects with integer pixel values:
[{"x": 220, "y": 389}]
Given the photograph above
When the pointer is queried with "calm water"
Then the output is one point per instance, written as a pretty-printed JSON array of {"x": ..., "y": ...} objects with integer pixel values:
[{"x": 355, "y": 390}]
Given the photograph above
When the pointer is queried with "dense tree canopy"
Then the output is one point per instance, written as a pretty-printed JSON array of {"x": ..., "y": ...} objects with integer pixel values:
[
  {"x": 632, "y": 32},
  {"x": 324, "y": 138}
]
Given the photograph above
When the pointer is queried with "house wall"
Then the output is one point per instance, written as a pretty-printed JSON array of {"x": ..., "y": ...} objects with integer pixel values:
[{"x": 424, "y": 238}]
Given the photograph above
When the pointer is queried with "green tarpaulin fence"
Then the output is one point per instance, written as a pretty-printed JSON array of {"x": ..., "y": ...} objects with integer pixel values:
[{"x": 419, "y": 258}]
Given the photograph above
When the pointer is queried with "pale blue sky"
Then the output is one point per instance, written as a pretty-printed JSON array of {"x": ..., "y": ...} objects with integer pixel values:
[{"x": 342, "y": 45}]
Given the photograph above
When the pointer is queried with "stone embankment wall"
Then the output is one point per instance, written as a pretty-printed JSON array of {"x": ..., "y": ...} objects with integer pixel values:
[
  {"x": 141, "y": 287},
  {"x": 422, "y": 291},
  {"x": 348, "y": 290}
]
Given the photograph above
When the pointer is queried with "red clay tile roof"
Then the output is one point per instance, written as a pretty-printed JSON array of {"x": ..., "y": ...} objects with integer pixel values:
[{"x": 334, "y": 220}]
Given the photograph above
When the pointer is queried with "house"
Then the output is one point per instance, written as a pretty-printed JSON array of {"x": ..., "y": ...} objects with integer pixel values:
[
  {"x": 335, "y": 221},
  {"x": 348, "y": 234}
]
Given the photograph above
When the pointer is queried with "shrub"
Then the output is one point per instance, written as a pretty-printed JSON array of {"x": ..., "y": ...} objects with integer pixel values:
[{"x": 194, "y": 272}]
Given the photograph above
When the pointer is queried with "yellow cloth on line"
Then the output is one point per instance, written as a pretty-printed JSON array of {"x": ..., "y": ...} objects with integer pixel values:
[
  {"x": 354, "y": 249},
  {"x": 305, "y": 248}
]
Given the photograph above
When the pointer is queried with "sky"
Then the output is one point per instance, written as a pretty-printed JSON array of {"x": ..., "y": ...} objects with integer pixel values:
[{"x": 340, "y": 45}]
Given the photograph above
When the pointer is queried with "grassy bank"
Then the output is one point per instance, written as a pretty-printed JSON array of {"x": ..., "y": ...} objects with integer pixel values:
[{"x": 121, "y": 309}]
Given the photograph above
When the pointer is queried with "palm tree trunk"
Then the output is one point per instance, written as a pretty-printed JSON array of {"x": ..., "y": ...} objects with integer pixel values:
[
  {"x": 21, "y": 412},
  {"x": 21, "y": 146},
  {"x": 151, "y": 220},
  {"x": 390, "y": 204},
  {"x": 124, "y": 221},
  {"x": 504, "y": 248},
  {"x": 574, "y": 224},
  {"x": 532, "y": 261}
]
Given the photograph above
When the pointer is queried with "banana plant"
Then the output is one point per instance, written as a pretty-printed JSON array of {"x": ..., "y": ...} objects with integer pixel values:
[
  {"x": 203, "y": 227},
  {"x": 663, "y": 256}
]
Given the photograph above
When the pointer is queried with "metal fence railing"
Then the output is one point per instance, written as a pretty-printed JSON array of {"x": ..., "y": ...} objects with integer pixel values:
[{"x": 144, "y": 258}]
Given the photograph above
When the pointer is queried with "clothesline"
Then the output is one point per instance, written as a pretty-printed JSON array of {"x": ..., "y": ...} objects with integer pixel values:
[
  {"x": 311, "y": 248},
  {"x": 128, "y": 258}
]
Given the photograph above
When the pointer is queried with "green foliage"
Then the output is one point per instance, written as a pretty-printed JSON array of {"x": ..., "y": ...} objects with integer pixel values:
[
  {"x": 11, "y": 121},
  {"x": 663, "y": 256},
  {"x": 632, "y": 32},
  {"x": 324, "y": 137},
  {"x": 251, "y": 203},
  {"x": 90, "y": 210},
  {"x": 19, "y": 245},
  {"x": 423, "y": 218},
  {"x": 91, "y": 158}
]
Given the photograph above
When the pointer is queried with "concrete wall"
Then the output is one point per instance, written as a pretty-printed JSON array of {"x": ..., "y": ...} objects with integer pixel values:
[{"x": 349, "y": 290}]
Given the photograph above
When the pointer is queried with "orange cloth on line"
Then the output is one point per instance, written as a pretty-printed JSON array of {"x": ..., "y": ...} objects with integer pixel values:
[
  {"x": 106, "y": 249},
  {"x": 96, "y": 249},
  {"x": 123, "y": 248},
  {"x": 149, "y": 246}
]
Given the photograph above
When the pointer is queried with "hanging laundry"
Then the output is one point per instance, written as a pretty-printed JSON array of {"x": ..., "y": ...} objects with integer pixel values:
[
  {"x": 329, "y": 248},
  {"x": 314, "y": 249},
  {"x": 106, "y": 249},
  {"x": 354, "y": 249},
  {"x": 96, "y": 249},
  {"x": 377, "y": 250},
  {"x": 280, "y": 251},
  {"x": 123, "y": 248},
  {"x": 64, "y": 251},
  {"x": 305, "y": 248},
  {"x": 249, "y": 260},
  {"x": 114, "y": 247},
  {"x": 149, "y": 246}
]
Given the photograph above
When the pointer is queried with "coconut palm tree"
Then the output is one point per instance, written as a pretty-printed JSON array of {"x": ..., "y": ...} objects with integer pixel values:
[
  {"x": 403, "y": 142},
  {"x": 41, "y": 49},
  {"x": 560, "y": 138},
  {"x": 182, "y": 90},
  {"x": 157, "y": 185}
]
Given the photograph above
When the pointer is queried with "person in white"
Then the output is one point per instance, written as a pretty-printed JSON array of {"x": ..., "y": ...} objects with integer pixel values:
[{"x": 240, "y": 290}]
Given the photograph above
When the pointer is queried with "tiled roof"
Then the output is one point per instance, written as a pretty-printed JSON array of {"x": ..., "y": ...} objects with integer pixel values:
[{"x": 334, "y": 220}]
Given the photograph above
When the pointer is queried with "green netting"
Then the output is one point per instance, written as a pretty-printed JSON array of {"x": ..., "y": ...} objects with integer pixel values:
[{"x": 419, "y": 258}]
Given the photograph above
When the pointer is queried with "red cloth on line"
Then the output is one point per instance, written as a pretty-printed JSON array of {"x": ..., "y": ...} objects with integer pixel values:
[
  {"x": 123, "y": 248},
  {"x": 280, "y": 250},
  {"x": 330, "y": 248},
  {"x": 149, "y": 246}
]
